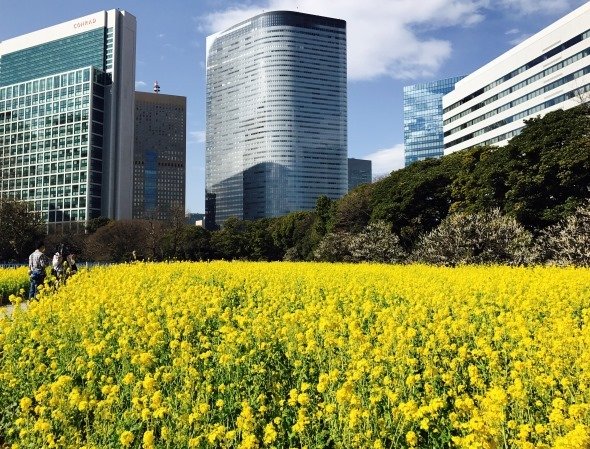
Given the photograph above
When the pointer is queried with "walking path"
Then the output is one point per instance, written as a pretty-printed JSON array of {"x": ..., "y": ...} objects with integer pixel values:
[{"x": 8, "y": 309}]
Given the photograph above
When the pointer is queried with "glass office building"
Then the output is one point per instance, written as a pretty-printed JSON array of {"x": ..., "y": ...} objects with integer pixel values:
[
  {"x": 276, "y": 115},
  {"x": 159, "y": 161},
  {"x": 423, "y": 119},
  {"x": 66, "y": 98},
  {"x": 359, "y": 172}
]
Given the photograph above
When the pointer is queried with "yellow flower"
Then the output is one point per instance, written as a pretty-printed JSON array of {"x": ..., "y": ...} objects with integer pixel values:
[
  {"x": 25, "y": 404},
  {"x": 270, "y": 434},
  {"x": 148, "y": 439},
  {"x": 126, "y": 438},
  {"x": 411, "y": 438}
]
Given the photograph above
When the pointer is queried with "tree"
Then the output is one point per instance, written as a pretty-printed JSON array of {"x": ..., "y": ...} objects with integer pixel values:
[
  {"x": 376, "y": 243},
  {"x": 415, "y": 199},
  {"x": 20, "y": 228},
  {"x": 291, "y": 235},
  {"x": 323, "y": 214},
  {"x": 93, "y": 224},
  {"x": 261, "y": 245},
  {"x": 480, "y": 238},
  {"x": 231, "y": 242},
  {"x": 353, "y": 211},
  {"x": 196, "y": 244},
  {"x": 481, "y": 182},
  {"x": 175, "y": 231},
  {"x": 550, "y": 173},
  {"x": 568, "y": 242},
  {"x": 334, "y": 247},
  {"x": 126, "y": 240}
]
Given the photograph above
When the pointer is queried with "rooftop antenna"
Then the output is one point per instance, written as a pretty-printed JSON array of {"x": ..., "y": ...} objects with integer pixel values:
[{"x": 156, "y": 87}]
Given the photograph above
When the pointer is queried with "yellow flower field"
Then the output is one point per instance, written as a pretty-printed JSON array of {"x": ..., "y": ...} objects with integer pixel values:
[
  {"x": 11, "y": 281},
  {"x": 293, "y": 355}
]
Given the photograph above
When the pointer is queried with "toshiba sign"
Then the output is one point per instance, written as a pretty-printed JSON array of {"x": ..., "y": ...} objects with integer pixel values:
[{"x": 84, "y": 23}]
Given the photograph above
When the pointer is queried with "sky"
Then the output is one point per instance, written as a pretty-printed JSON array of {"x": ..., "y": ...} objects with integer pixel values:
[{"x": 391, "y": 44}]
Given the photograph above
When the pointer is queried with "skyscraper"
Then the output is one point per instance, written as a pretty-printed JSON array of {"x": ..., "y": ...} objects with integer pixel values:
[
  {"x": 359, "y": 172},
  {"x": 423, "y": 119},
  {"x": 276, "y": 115},
  {"x": 159, "y": 156},
  {"x": 66, "y": 102}
]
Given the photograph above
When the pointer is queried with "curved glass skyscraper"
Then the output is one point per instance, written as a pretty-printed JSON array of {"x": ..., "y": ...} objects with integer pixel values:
[{"x": 276, "y": 115}]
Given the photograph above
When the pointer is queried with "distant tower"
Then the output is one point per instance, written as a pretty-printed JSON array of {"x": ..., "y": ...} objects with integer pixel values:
[
  {"x": 276, "y": 125},
  {"x": 156, "y": 87}
]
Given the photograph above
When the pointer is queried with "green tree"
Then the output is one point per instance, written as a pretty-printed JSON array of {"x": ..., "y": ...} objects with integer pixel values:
[
  {"x": 93, "y": 224},
  {"x": 481, "y": 182},
  {"x": 231, "y": 242},
  {"x": 323, "y": 215},
  {"x": 353, "y": 211},
  {"x": 292, "y": 235},
  {"x": 415, "y": 199},
  {"x": 196, "y": 243},
  {"x": 20, "y": 228},
  {"x": 550, "y": 172},
  {"x": 261, "y": 245},
  {"x": 333, "y": 247}
]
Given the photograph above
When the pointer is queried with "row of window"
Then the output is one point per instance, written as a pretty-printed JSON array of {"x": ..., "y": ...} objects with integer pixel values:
[
  {"x": 521, "y": 115},
  {"x": 530, "y": 64},
  {"x": 29, "y": 150},
  {"x": 45, "y": 84},
  {"x": 542, "y": 74},
  {"x": 543, "y": 90},
  {"x": 45, "y": 97}
]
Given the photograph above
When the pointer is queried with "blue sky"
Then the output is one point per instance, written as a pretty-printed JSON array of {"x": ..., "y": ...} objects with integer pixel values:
[{"x": 391, "y": 43}]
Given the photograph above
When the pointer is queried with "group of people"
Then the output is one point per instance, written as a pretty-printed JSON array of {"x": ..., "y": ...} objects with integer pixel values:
[{"x": 38, "y": 262}]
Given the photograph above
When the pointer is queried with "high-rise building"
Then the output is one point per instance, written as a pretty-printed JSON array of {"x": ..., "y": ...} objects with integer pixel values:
[
  {"x": 276, "y": 115},
  {"x": 66, "y": 102},
  {"x": 548, "y": 71},
  {"x": 423, "y": 119},
  {"x": 359, "y": 172},
  {"x": 159, "y": 158}
]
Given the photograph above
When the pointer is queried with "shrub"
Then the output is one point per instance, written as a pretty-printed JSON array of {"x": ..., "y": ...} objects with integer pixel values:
[
  {"x": 333, "y": 247},
  {"x": 567, "y": 242},
  {"x": 376, "y": 243},
  {"x": 480, "y": 238}
]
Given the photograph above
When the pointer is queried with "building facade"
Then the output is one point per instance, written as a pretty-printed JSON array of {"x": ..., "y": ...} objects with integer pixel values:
[
  {"x": 359, "y": 172},
  {"x": 159, "y": 157},
  {"x": 423, "y": 119},
  {"x": 66, "y": 101},
  {"x": 548, "y": 71},
  {"x": 276, "y": 115}
]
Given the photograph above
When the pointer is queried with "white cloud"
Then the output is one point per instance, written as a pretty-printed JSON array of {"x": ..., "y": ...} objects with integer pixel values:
[
  {"x": 140, "y": 84},
  {"x": 386, "y": 160},
  {"x": 512, "y": 31},
  {"x": 537, "y": 6},
  {"x": 384, "y": 36},
  {"x": 401, "y": 52},
  {"x": 197, "y": 136},
  {"x": 161, "y": 35},
  {"x": 517, "y": 40}
]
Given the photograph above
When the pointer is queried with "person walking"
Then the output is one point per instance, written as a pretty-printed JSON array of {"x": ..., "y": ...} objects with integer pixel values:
[
  {"x": 37, "y": 263},
  {"x": 57, "y": 267},
  {"x": 72, "y": 267}
]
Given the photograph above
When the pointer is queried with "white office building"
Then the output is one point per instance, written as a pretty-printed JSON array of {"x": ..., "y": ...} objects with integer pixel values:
[
  {"x": 66, "y": 118},
  {"x": 548, "y": 71}
]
